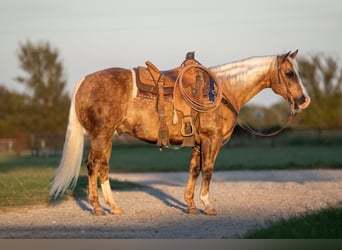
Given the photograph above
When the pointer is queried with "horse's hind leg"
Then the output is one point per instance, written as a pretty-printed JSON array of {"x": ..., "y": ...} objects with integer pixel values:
[
  {"x": 105, "y": 184},
  {"x": 97, "y": 164},
  {"x": 93, "y": 165}
]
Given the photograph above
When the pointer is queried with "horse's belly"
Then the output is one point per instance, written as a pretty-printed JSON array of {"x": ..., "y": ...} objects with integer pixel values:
[{"x": 144, "y": 124}]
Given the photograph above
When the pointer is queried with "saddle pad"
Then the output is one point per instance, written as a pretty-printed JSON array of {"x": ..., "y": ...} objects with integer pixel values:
[{"x": 153, "y": 96}]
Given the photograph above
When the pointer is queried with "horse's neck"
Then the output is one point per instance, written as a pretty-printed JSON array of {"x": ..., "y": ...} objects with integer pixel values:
[{"x": 244, "y": 79}]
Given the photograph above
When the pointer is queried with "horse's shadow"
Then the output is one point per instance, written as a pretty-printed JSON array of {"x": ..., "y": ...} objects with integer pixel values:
[{"x": 80, "y": 194}]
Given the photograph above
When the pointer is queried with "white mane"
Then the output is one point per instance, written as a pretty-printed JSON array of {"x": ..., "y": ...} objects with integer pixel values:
[{"x": 242, "y": 71}]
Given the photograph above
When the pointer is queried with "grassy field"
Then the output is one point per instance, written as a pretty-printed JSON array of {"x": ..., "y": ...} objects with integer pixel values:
[
  {"x": 323, "y": 224},
  {"x": 24, "y": 181},
  {"x": 148, "y": 158}
]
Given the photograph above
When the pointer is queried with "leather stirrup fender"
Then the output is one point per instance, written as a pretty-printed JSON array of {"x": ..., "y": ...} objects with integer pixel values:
[{"x": 163, "y": 133}]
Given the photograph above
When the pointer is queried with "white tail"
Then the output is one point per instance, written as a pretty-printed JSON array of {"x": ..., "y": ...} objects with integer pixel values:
[{"x": 69, "y": 167}]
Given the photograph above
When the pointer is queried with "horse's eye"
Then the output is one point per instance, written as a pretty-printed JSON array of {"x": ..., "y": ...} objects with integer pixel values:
[{"x": 289, "y": 74}]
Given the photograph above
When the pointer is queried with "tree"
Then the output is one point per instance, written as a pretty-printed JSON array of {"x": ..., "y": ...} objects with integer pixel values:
[
  {"x": 13, "y": 112},
  {"x": 46, "y": 83},
  {"x": 322, "y": 78}
]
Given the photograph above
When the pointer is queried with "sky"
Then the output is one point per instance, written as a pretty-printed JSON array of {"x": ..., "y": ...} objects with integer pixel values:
[{"x": 94, "y": 35}]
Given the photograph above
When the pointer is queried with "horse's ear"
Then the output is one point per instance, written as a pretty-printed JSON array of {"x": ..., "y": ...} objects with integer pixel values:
[
  {"x": 294, "y": 54},
  {"x": 283, "y": 57}
]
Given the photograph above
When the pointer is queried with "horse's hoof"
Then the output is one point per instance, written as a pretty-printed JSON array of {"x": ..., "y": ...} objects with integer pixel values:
[
  {"x": 193, "y": 210},
  {"x": 99, "y": 212},
  {"x": 117, "y": 211},
  {"x": 210, "y": 211}
]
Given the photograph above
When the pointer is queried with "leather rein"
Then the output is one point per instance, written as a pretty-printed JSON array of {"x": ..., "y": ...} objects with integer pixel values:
[{"x": 253, "y": 131}]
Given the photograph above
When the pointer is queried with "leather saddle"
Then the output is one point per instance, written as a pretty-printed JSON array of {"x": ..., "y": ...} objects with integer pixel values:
[
  {"x": 148, "y": 77},
  {"x": 161, "y": 85}
]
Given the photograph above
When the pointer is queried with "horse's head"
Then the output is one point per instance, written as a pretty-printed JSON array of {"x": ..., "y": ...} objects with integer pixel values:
[{"x": 286, "y": 82}]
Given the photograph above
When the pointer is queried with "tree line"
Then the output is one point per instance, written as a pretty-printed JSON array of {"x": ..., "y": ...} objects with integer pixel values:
[{"x": 45, "y": 105}]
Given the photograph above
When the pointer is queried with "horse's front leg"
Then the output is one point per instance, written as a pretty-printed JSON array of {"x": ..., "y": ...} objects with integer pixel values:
[
  {"x": 195, "y": 169},
  {"x": 209, "y": 151}
]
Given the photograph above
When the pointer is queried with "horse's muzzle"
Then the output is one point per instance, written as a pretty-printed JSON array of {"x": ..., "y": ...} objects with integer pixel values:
[{"x": 303, "y": 102}]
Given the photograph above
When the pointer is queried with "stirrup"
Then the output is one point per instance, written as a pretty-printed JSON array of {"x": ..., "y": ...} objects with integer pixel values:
[{"x": 188, "y": 127}]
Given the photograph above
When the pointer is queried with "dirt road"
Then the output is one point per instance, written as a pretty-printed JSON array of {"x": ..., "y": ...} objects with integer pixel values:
[{"x": 243, "y": 199}]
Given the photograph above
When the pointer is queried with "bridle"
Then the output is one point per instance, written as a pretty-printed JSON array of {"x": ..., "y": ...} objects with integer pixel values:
[{"x": 244, "y": 125}]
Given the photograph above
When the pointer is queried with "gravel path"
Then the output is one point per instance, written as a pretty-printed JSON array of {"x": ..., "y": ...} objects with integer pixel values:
[{"x": 243, "y": 199}]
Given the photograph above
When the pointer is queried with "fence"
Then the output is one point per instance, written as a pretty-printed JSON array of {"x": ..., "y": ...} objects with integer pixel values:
[
  {"x": 44, "y": 144},
  {"x": 50, "y": 144},
  {"x": 38, "y": 144},
  {"x": 289, "y": 136}
]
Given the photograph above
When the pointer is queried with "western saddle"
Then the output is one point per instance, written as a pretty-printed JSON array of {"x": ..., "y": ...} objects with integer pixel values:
[{"x": 192, "y": 89}]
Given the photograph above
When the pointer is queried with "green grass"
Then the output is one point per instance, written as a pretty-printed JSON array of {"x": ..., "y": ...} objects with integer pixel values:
[
  {"x": 280, "y": 157},
  {"x": 148, "y": 158},
  {"x": 323, "y": 224},
  {"x": 24, "y": 187}
]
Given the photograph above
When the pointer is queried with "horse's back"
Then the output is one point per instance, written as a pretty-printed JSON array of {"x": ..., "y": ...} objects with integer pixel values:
[
  {"x": 111, "y": 76},
  {"x": 103, "y": 84}
]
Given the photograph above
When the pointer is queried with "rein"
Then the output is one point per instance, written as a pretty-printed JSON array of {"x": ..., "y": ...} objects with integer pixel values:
[
  {"x": 248, "y": 128},
  {"x": 253, "y": 131}
]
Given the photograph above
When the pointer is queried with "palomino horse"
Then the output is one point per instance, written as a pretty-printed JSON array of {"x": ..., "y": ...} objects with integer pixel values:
[{"x": 106, "y": 102}]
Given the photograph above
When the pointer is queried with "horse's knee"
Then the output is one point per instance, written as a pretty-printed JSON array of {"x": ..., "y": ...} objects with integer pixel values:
[
  {"x": 195, "y": 171},
  {"x": 207, "y": 173}
]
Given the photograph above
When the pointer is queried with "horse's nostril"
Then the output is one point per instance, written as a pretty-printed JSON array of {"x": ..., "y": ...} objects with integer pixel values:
[
  {"x": 302, "y": 99},
  {"x": 303, "y": 102}
]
